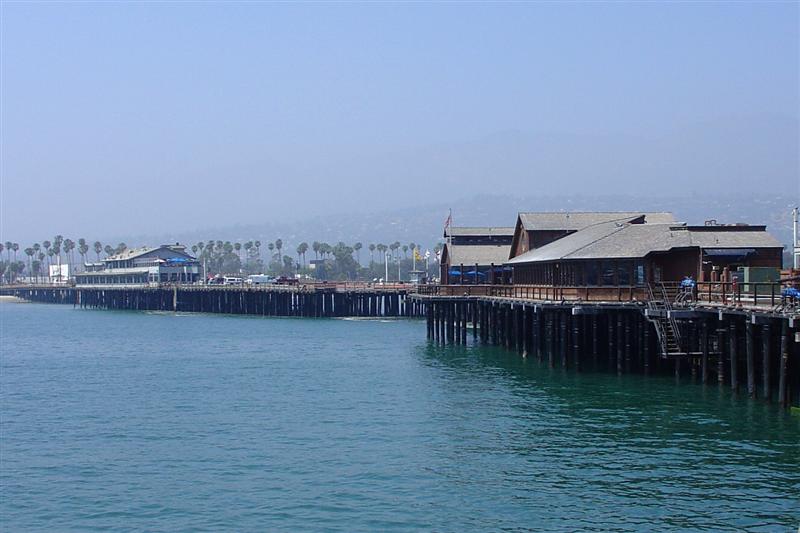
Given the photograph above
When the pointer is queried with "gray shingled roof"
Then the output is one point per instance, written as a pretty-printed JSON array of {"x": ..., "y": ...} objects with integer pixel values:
[
  {"x": 578, "y": 220},
  {"x": 731, "y": 238},
  {"x": 130, "y": 253},
  {"x": 478, "y": 231},
  {"x": 614, "y": 240},
  {"x": 480, "y": 254}
]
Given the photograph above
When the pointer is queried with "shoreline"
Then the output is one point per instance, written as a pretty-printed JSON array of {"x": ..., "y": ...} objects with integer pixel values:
[{"x": 12, "y": 299}]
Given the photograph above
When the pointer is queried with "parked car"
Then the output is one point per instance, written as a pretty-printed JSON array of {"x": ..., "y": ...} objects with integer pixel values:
[{"x": 260, "y": 279}]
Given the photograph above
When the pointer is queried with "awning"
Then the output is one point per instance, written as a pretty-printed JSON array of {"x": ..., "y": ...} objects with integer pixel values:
[
  {"x": 457, "y": 272},
  {"x": 728, "y": 252}
]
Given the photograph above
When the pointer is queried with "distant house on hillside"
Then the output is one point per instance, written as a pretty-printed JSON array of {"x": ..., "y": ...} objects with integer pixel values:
[{"x": 168, "y": 263}]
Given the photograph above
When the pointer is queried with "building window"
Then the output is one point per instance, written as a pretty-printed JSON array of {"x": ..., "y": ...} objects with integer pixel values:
[
  {"x": 607, "y": 273},
  {"x": 624, "y": 273},
  {"x": 591, "y": 273},
  {"x": 638, "y": 272}
]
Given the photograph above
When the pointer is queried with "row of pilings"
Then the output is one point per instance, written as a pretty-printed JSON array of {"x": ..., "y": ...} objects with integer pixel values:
[
  {"x": 753, "y": 355},
  {"x": 276, "y": 302}
]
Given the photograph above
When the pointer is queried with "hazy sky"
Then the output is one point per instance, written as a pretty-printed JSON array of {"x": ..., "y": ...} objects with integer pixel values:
[{"x": 122, "y": 118}]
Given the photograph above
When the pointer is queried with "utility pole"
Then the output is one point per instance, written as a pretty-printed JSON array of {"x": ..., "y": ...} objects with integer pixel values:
[{"x": 795, "y": 241}]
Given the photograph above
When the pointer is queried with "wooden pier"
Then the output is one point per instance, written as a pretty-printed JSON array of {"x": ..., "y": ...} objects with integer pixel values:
[
  {"x": 724, "y": 338},
  {"x": 326, "y": 300},
  {"x": 752, "y": 350}
]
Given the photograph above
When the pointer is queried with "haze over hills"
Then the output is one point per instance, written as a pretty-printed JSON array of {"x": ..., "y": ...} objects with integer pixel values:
[
  {"x": 423, "y": 224},
  {"x": 375, "y": 183}
]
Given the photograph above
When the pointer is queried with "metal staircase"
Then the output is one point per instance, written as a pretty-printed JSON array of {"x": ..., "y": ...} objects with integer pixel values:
[{"x": 669, "y": 334}]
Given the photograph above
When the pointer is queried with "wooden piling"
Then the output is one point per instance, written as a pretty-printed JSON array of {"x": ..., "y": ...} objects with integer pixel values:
[
  {"x": 751, "y": 371},
  {"x": 734, "y": 356},
  {"x": 783, "y": 393},
  {"x": 766, "y": 336}
]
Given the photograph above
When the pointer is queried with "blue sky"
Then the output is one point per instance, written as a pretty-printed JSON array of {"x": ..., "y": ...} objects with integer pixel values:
[{"x": 222, "y": 114}]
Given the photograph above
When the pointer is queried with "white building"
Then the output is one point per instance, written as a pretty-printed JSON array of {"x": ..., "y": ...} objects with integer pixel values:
[{"x": 168, "y": 263}]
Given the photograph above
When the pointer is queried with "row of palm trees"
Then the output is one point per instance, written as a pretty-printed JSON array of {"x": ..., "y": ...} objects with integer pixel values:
[
  {"x": 40, "y": 256},
  {"x": 49, "y": 252},
  {"x": 322, "y": 250}
]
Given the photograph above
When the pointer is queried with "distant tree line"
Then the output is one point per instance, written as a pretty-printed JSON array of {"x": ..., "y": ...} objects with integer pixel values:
[{"x": 333, "y": 262}]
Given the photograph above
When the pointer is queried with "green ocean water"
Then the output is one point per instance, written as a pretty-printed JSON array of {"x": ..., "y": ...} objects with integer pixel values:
[{"x": 177, "y": 422}]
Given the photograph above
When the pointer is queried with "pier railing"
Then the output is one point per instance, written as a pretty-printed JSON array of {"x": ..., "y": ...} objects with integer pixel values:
[
  {"x": 622, "y": 293},
  {"x": 760, "y": 294},
  {"x": 730, "y": 292}
]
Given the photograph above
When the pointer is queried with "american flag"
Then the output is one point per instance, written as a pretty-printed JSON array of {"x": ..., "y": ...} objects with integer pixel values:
[{"x": 449, "y": 220}]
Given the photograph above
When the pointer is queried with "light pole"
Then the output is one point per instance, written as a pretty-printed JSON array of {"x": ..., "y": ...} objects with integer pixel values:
[
  {"x": 795, "y": 243},
  {"x": 386, "y": 267}
]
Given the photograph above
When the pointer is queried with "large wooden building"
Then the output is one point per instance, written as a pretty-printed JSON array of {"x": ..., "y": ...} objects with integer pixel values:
[
  {"x": 476, "y": 255},
  {"x": 633, "y": 252},
  {"x": 534, "y": 230}
]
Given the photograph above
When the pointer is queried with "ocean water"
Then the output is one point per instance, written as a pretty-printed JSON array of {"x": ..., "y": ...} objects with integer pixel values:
[{"x": 176, "y": 422}]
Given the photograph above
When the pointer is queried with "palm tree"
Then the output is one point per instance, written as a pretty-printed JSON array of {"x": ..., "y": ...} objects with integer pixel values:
[
  {"x": 271, "y": 248},
  {"x": 279, "y": 246},
  {"x": 29, "y": 252},
  {"x": 2, "y": 247},
  {"x": 371, "y": 253},
  {"x": 382, "y": 249},
  {"x": 50, "y": 253},
  {"x": 303, "y": 249},
  {"x": 357, "y": 247},
  {"x": 108, "y": 250},
  {"x": 315, "y": 247},
  {"x": 238, "y": 247},
  {"x": 36, "y": 267},
  {"x": 8, "y": 250},
  {"x": 257, "y": 244},
  {"x": 58, "y": 240},
  {"x": 69, "y": 245},
  {"x": 405, "y": 251},
  {"x": 83, "y": 248},
  {"x": 194, "y": 249},
  {"x": 325, "y": 249},
  {"x": 15, "y": 247},
  {"x": 57, "y": 252},
  {"x": 98, "y": 247},
  {"x": 299, "y": 252}
]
